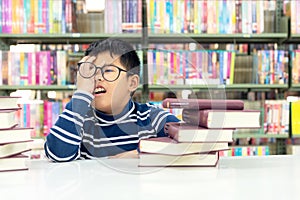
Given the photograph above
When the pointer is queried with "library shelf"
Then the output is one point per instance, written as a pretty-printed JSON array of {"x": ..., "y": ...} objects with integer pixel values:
[
  {"x": 295, "y": 87},
  {"x": 258, "y": 135},
  {"x": 217, "y": 38},
  {"x": 294, "y": 38},
  {"x": 38, "y": 87},
  {"x": 66, "y": 38},
  {"x": 237, "y": 87}
]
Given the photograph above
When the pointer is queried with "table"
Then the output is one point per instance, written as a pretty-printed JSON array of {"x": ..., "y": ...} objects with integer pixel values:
[{"x": 256, "y": 177}]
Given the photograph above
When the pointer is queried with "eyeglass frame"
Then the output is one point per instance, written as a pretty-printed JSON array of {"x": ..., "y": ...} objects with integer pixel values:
[{"x": 96, "y": 68}]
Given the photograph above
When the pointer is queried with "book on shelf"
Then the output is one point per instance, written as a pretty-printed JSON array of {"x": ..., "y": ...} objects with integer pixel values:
[
  {"x": 12, "y": 149},
  {"x": 169, "y": 146},
  {"x": 223, "y": 118},
  {"x": 8, "y": 118},
  {"x": 190, "y": 160},
  {"x": 200, "y": 104},
  {"x": 8, "y": 102},
  {"x": 13, "y": 163},
  {"x": 183, "y": 132},
  {"x": 295, "y": 118}
]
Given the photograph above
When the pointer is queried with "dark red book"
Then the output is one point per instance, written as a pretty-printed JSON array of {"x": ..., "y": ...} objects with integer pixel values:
[
  {"x": 200, "y": 104},
  {"x": 223, "y": 118},
  {"x": 183, "y": 132}
]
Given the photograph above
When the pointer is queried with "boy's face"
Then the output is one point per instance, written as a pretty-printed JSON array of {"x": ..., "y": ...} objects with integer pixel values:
[{"x": 111, "y": 97}]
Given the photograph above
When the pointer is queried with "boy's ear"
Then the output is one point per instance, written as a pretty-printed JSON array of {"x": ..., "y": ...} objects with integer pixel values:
[{"x": 134, "y": 82}]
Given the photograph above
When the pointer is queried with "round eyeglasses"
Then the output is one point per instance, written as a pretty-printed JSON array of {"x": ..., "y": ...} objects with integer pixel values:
[{"x": 109, "y": 72}]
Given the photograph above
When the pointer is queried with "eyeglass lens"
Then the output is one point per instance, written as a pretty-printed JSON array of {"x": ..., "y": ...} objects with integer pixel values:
[{"x": 108, "y": 72}]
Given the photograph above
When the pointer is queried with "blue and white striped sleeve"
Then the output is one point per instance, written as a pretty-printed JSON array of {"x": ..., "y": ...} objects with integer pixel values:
[
  {"x": 63, "y": 142},
  {"x": 159, "y": 117}
]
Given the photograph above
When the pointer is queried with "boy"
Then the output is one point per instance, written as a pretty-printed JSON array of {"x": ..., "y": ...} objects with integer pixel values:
[{"x": 101, "y": 119}]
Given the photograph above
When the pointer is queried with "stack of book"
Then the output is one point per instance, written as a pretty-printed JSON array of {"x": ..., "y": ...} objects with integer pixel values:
[
  {"x": 14, "y": 140},
  {"x": 207, "y": 128}
]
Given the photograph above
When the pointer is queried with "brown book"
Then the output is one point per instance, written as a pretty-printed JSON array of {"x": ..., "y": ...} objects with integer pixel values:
[
  {"x": 200, "y": 104},
  {"x": 13, "y": 163},
  {"x": 169, "y": 146},
  {"x": 183, "y": 132},
  {"x": 191, "y": 160},
  {"x": 223, "y": 118}
]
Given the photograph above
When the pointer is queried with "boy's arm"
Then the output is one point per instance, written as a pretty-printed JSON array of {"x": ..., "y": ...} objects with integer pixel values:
[
  {"x": 159, "y": 118},
  {"x": 63, "y": 141}
]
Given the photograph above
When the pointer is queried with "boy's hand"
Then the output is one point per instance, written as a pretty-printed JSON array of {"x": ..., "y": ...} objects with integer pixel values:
[
  {"x": 86, "y": 84},
  {"x": 127, "y": 154}
]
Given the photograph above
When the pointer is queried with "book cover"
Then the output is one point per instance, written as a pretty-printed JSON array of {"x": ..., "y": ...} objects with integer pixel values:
[
  {"x": 169, "y": 146},
  {"x": 191, "y": 160},
  {"x": 13, "y": 163},
  {"x": 183, "y": 132},
  {"x": 200, "y": 104}
]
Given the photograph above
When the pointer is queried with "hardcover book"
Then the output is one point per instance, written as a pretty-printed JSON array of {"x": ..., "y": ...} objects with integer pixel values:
[
  {"x": 183, "y": 132},
  {"x": 8, "y": 118},
  {"x": 8, "y": 102},
  {"x": 15, "y": 135},
  {"x": 169, "y": 146},
  {"x": 13, "y": 163},
  {"x": 12, "y": 149},
  {"x": 200, "y": 104},
  {"x": 191, "y": 160},
  {"x": 223, "y": 118}
]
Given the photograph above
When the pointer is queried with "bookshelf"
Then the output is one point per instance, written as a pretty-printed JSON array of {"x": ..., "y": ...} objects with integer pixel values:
[
  {"x": 219, "y": 38},
  {"x": 65, "y": 38},
  {"x": 145, "y": 38}
]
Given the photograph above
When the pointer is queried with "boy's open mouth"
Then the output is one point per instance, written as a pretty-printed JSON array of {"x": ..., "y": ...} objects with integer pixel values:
[{"x": 99, "y": 90}]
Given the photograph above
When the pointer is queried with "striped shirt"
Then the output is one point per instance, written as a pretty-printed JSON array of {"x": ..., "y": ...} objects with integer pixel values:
[{"x": 83, "y": 132}]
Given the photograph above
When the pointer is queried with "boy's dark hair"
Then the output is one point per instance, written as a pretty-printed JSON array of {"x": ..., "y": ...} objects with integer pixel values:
[{"x": 127, "y": 55}]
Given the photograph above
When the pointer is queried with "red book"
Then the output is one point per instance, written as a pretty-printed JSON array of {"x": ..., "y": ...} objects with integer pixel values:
[
  {"x": 183, "y": 132},
  {"x": 200, "y": 104},
  {"x": 223, "y": 118}
]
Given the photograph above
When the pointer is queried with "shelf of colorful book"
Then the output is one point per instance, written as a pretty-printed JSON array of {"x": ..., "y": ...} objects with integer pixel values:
[
  {"x": 67, "y": 38},
  {"x": 295, "y": 87},
  {"x": 238, "y": 87},
  {"x": 37, "y": 87},
  {"x": 218, "y": 38},
  {"x": 294, "y": 38},
  {"x": 258, "y": 135}
]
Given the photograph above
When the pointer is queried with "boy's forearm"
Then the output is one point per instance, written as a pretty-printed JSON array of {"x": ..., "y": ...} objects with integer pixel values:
[{"x": 63, "y": 141}]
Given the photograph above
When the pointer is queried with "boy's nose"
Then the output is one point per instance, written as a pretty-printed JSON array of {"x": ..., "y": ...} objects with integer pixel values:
[{"x": 98, "y": 75}]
